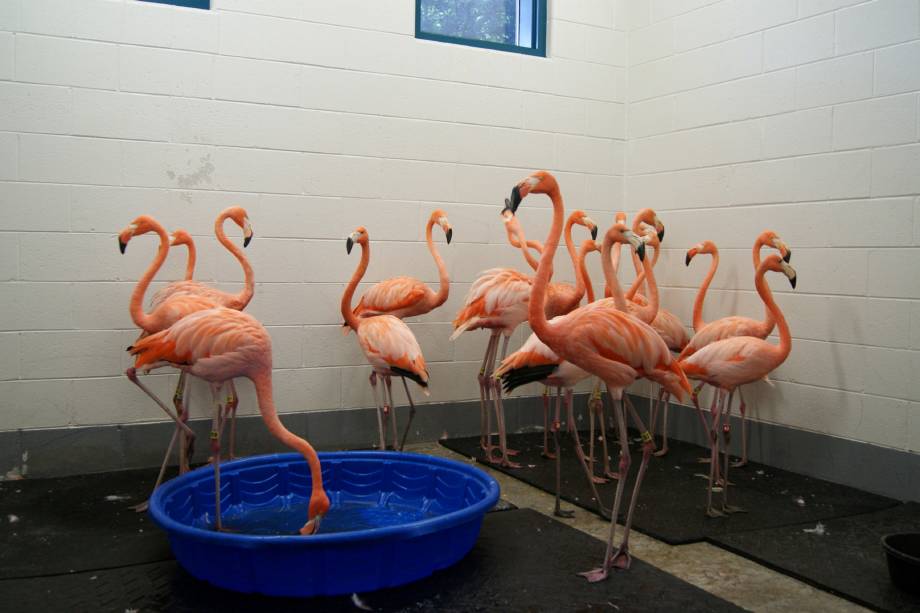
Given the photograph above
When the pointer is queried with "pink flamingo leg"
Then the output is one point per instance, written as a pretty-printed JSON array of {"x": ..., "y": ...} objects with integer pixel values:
[
  {"x": 558, "y": 512},
  {"x": 744, "y": 432},
  {"x": 579, "y": 452},
  {"x": 716, "y": 409},
  {"x": 186, "y": 444},
  {"x": 233, "y": 401},
  {"x": 131, "y": 373},
  {"x": 599, "y": 574},
  {"x": 726, "y": 439},
  {"x": 140, "y": 508},
  {"x": 389, "y": 408},
  {"x": 546, "y": 426},
  {"x": 402, "y": 443},
  {"x": 216, "y": 427},
  {"x": 665, "y": 397},
  {"x": 485, "y": 441},
  {"x": 373, "y": 382}
]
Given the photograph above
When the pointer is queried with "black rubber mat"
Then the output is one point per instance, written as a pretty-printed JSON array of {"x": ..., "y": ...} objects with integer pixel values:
[
  {"x": 72, "y": 524},
  {"x": 673, "y": 497},
  {"x": 523, "y": 561},
  {"x": 843, "y": 556}
]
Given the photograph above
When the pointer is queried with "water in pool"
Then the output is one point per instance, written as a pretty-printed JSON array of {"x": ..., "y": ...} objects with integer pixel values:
[{"x": 344, "y": 517}]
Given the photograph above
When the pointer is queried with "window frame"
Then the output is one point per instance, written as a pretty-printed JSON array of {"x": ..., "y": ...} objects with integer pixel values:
[
  {"x": 204, "y": 5},
  {"x": 538, "y": 33}
]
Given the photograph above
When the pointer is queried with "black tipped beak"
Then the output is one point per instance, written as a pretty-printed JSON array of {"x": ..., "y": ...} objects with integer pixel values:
[
  {"x": 122, "y": 245},
  {"x": 792, "y": 281},
  {"x": 661, "y": 234},
  {"x": 247, "y": 240},
  {"x": 449, "y": 234},
  {"x": 687, "y": 260},
  {"x": 349, "y": 244},
  {"x": 788, "y": 256},
  {"x": 640, "y": 251},
  {"x": 515, "y": 200},
  {"x": 594, "y": 233}
]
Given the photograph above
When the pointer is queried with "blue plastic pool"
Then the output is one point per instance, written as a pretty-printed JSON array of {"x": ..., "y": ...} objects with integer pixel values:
[{"x": 395, "y": 518}]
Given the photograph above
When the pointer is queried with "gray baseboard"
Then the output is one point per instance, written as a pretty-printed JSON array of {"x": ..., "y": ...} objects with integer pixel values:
[{"x": 54, "y": 452}]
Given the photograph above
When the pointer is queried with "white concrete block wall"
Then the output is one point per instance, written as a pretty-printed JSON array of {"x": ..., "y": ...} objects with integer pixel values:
[
  {"x": 317, "y": 116},
  {"x": 799, "y": 116}
]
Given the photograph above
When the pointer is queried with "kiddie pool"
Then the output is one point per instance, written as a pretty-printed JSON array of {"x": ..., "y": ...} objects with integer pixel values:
[{"x": 395, "y": 518}]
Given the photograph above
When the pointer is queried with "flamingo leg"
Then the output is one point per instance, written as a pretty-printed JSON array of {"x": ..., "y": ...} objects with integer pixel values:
[
  {"x": 744, "y": 432},
  {"x": 622, "y": 559},
  {"x": 233, "y": 401},
  {"x": 663, "y": 396},
  {"x": 726, "y": 441},
  {"x": 140, "y": 508},
  {"x": 485, "y": 440},
  {"x": 599, "y": 574},
  {"x": 182, "y": 411},
  {"x": 601, "y": 418},
  {"x": 389, "y": 407},
  {"x": 373, "y": 381},
  {"x": 402, "y": 443},
  {"x": 131, "y": 373},
  {"x": 591, "y": 412},
  {"x": 714, "y": 453},
  {"x": 558, "y": 512},
  {"x": 498, "y": 391},
  {"x": 215, "y": 452},
  {"x": 579, "y": 452},
  {"x": 546, "y": 426}
]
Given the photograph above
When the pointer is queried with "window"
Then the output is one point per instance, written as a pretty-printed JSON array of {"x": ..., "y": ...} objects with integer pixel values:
[
  {"x": 194, "y": 4},
  {"x": 507, "y": 25}
]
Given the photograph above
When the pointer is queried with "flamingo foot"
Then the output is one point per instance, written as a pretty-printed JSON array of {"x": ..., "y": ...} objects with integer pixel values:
[
  {"x": 506, "y": 463},
  {"x": 548, "y": 455},
  {"x": 705, "y": 460},
  {"x": 711, "y": 512},
  {"x": 510, "y": 451},
  {"x": 598, "y": 574},
  {"x": 661, "y": 452},
  {"x": 728, "y": 508},
  {"x": 599, "y": 480},
  {"x": 140, "y": 508},
  {"x": 739, "y": 464},
  {"x": 622, "y": 559},
  {"x": 612, "y": 475},
  {"x": 564, "y": 513}
]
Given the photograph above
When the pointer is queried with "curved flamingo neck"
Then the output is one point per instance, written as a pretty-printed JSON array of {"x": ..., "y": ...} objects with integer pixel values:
[
  {"x": 443, "y": 278},
  {"x": 141, "y": 319},
  {"x": 610, "y": 275},
  {"x": 192, "y": 258},
  {"x": 265, "y": 397},
  {"x": 242, "y": 299},
  {"x": 586, "y": 248},
  {"x": 517, "y": 239},
  {"x": 698, "y": 322},
  {"x": 352, "y": 321},
  {"x": 641, "y": 277},
  {"x": 768, "y": 320},
  {"x": 650, "y": 310},
  {"x": 573, "y": 253},
  {"x": 537, "y": 304},
  {"x": 782, "y": 350}
]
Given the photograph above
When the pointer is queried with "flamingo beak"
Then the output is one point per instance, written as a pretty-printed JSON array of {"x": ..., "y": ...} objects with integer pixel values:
[
  {"x": 349, "y": 244},
  {"x": 660, "y": 228},
  {"x": 783, "y": 249},
  {"x": 789, "y": 271},
  {"x": 247, "y": 233},
  {"x": 593, "y": 226},
  {"x": 690, "y": 254},
  {"x": 122, "y": 245},
  {"x": 449, "y": 234},
  {"x": 637, "y": 243},
  {"x": 511, "y": 204}
]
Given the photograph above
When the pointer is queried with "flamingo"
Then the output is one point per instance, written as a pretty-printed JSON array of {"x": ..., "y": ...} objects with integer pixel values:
[
  {"x": 497, "y": 300},
  {"x": 604, "y": 341},
  {"x": 165, "y": 314},
  {"x": 406, "y": 296},
  {"x": 728, "y": 327},
  {"x": 218, "y": 345},
  {"x": 389, "y": 345},
  {"x": 534, "y": 361},
  {"x": 182, "y": 237},
  {"x": 731, "y": 362}
]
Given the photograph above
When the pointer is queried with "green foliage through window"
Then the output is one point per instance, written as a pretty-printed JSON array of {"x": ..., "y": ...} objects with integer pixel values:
[{"x": 511, "y": 25}]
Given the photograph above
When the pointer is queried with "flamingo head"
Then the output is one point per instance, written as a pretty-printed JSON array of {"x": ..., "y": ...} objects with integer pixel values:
[
  {"x": 358, "y": 236},
  {"x": 540, "y": 182},
  {"x": 241, "y": 218},
  {"x": 619, "y": 233},
  {"x": 650, "y": 237},
  {"x": 620, "y": 218},
  {"x": 648, "y": 216},
  {"x": 319, "y": 506},
  {"x": 589, "y": 245},
  {"x": 140, "y": 225},
  {"x": 704, "y": 247},
  {"x": 775, "y": 263},
  {"x": 772, "y": 239},
  {"x": 440, "y": 217},
  {"x": 579, "y": 217},
  {"x": 180, "y": 237}
]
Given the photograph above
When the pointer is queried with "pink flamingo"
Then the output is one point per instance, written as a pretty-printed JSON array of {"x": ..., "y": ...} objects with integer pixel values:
[
  {"x": 605, "y": 342},
  {"x": 182, "y": 237},
  {"x": 406, "y": 296},
  {"x": 728, "y": 327},
  {"x": 218, "y": 345},
  {"x": 731, "y": 362},
  {"x": 497, "y": 300},
  {"x": 165, "y": 314},
  {"x": 389, "y": 345}
]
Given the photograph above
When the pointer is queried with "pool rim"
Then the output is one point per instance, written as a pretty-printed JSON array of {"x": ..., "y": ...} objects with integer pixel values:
[{"x": 404, "y": 531}]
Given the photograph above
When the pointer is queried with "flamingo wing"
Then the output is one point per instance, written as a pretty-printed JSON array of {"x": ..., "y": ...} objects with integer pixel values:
[
  {"x": 731, "y": 362},
  {"x": 720, "y": 329},
  {"x": 389, "y": 344},
  {"x": 386, "y": 297},
  {"x": 669, "y": 327},
  {"x": 498, "y": 297}
]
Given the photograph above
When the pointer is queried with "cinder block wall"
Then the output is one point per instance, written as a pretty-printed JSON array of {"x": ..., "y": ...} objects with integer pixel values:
[
  {"x": 317, "y": 116},
  {"x": 800, "y": 116}
]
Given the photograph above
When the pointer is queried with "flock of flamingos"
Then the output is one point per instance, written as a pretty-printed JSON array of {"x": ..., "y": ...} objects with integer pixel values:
[{"x": 204, "y": 332}]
